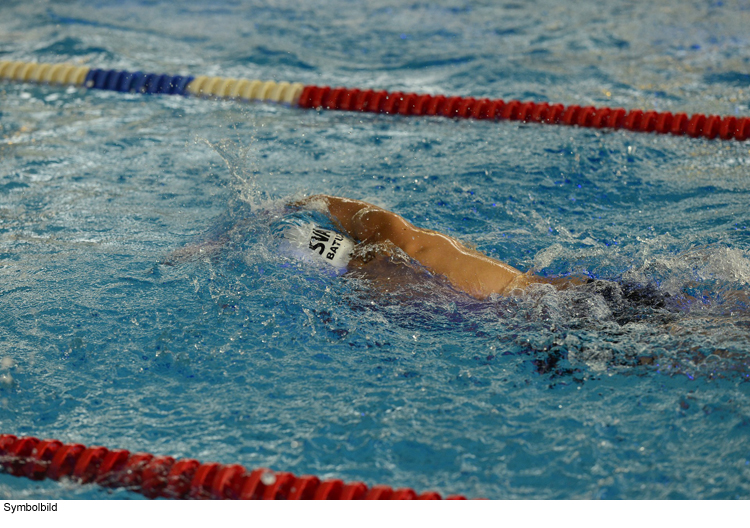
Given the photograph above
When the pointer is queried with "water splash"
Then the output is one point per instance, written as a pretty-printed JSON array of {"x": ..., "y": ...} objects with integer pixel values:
[{"x": 244, "y": 176}]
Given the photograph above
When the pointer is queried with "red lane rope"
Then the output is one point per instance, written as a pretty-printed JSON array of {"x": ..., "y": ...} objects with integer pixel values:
[
  {"x": 163, "y": 476},
  {"x": 355, "y": 100}
]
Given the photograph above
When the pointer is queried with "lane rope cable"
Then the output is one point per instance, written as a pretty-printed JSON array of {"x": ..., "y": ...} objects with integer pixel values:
[
  {"x": 380, "y": 101},
  {"x": 163, "y": 476}
]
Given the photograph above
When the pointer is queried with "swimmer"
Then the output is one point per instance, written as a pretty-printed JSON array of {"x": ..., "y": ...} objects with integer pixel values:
[
  {"x": 373, "y": 229},
  {"x": 377, "y": 244},
  {"x": 368, "y": 236},
  {"x": 368, "y": 231},
  {"x": 370, "y": 226}
]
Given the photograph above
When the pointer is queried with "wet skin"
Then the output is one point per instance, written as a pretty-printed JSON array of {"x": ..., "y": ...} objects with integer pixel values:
[{"x": 466, "y": 269}]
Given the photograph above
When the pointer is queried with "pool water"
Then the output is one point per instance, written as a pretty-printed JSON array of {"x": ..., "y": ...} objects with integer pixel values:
[{"x": 240, "y": 354}]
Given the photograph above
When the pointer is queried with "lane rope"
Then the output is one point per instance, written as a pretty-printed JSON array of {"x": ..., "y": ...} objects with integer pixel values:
[
  {"x": 381, "y": 101},
  {"x": 163, "y": 476},
  {"x": 697, "y": 125},
  {"x": 43, "y": 73},
  {"x": 152, "y": 83}
]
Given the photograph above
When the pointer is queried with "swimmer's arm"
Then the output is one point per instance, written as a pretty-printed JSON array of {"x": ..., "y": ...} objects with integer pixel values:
[
  {"x": 467, "y": 269},
  {"x": 342, "y": 210}
]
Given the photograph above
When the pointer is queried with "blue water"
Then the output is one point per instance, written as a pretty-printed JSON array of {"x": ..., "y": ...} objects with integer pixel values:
[{"x": 241, "y": 355}]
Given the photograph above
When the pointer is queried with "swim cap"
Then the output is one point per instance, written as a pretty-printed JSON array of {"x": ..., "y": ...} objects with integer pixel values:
[{"x": 317, "y": 244}]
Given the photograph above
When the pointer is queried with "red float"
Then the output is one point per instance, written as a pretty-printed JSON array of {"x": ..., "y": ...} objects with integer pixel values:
[
  {"x": 163, "y": 476},
  {"x": 635, "y": 120}
]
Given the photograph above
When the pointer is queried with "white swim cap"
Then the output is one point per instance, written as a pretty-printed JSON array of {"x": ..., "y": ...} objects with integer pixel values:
[{"x": 317, "y": 244}]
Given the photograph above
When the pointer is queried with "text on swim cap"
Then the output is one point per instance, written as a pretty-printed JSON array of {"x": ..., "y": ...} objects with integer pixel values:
[{"x": 320, "y": 237}]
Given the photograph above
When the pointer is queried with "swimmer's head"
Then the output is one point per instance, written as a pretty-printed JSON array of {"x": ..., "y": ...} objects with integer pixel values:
[{"x": 316, "y": 244}]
